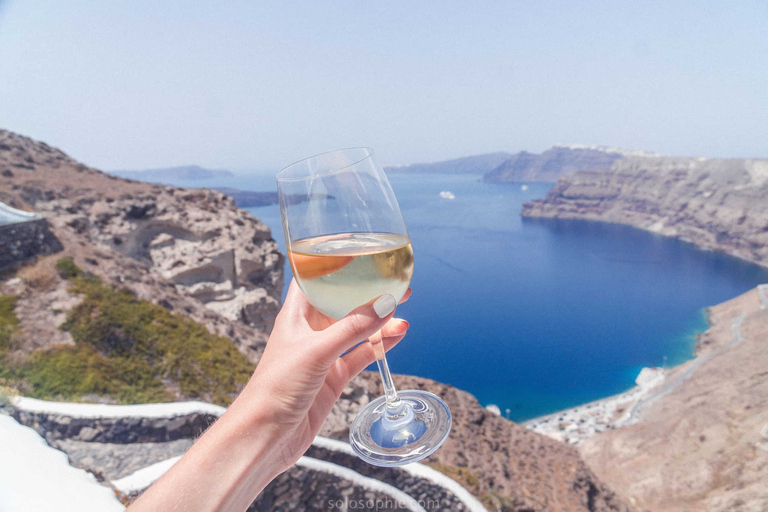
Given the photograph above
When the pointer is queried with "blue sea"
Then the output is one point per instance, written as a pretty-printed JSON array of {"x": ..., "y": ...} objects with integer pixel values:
[{"x": 539, "y": 315}]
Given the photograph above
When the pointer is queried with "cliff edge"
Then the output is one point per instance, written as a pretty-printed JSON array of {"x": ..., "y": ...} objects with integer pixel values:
[{"x": 716, "y": 204}]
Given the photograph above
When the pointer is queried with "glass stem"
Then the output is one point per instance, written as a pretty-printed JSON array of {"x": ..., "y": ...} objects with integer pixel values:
[
  {"x": 393, "y": 403},
  {"x": 386, "y": 379}
]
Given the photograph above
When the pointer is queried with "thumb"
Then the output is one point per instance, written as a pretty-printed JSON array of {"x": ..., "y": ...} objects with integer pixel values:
[{"x": 357, "y": 326}]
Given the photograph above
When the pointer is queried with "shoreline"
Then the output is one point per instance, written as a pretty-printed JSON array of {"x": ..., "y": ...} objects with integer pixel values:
[{"x": 576, "y": 424}]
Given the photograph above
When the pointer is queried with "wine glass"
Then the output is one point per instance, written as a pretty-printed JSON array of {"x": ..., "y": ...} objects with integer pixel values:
[{"x": 347, "y": 244}]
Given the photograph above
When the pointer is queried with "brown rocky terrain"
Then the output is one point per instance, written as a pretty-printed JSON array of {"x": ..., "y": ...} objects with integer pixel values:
[
  {"x": 194, "y": 252},
  {"x": 702, "y": 446},
  {"x": 191, "y": 251},
  {"x": 715, "y": 204}
]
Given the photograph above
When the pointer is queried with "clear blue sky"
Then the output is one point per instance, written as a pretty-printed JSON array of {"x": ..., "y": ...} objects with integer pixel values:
[{"x": 142, "y": 84}]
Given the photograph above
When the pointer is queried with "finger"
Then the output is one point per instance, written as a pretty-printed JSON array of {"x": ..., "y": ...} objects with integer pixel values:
[
  {"x": 293, "y": 308},
  {"x": 406, "y": 296},
  {"x": 395, "y": 327},
  {"x": 355, "y": 327},
  {"x": 294, "y": 299}
]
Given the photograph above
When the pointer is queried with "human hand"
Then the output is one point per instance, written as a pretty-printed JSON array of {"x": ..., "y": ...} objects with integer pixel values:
[
  {"x": 302, "y": 371},
  {"x": 277, "y": 416}
]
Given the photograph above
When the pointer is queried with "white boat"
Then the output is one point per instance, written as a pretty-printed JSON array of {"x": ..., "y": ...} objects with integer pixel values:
[
  {"x": 445, "y": 194},
  {"x": 524, "y": 188}
]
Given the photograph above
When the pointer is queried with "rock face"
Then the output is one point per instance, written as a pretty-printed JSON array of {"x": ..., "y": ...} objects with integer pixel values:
[
  {"x": 716, "y": 204},
  {"x": 22, "y": 241},
  {"x": 176, "y": 247},
  {"x": 552, "y": 163}
]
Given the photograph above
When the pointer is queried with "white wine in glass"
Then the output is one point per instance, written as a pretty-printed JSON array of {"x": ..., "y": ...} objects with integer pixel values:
[
  {"x": 341, "y": 272},
  {"x": 347, "y": 245}
]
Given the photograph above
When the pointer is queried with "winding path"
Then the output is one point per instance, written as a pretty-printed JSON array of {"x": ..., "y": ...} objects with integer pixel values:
[{"x": 144, "y": 477}]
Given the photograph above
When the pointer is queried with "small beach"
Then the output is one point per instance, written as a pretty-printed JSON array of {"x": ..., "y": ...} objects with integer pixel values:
[{"x": 574, "y": 425}]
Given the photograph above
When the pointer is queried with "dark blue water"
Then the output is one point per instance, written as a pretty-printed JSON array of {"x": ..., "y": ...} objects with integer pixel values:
[{"x": 537, "y": 316}]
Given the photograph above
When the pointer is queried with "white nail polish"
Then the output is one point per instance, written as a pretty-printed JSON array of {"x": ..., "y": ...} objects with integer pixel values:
[{"x": 384, "y": 305}]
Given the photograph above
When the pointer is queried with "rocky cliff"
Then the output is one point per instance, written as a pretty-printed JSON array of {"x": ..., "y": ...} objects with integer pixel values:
[
  {"x": 553, "y": 163},
  {"x": 717, "y": 204},
  {"x": 194, "y": 253}
]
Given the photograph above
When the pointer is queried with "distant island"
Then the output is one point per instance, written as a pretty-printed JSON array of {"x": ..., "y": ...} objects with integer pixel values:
[
  {"x": 545, "y": 167},
  {"x": 164, "y": 174},
  {"x": 551, "y": 164},
  {"x": 477, "y": 164}
]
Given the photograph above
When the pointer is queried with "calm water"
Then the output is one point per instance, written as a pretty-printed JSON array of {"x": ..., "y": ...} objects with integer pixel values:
[{"x": 537, "y": 316}]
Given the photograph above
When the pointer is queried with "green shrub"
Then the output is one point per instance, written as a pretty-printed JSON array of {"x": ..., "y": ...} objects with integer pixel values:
[
  {"x": 69, "y": 373},
  {"x": 128, "y": 349},
  {"x": 67, "y": 269},
  {"x": 462, "y": 475},
  {"x": 8, "y": 322}
]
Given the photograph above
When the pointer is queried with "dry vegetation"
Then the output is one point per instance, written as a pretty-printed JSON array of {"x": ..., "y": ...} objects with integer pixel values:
[{"x": 125, "y": 349}]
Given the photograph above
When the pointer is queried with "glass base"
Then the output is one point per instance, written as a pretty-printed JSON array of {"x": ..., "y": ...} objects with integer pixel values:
[{"x": 410, "y": 430}]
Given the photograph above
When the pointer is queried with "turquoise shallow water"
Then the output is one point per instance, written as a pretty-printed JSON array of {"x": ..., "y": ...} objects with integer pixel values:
[{"x": 536, "y": 315}]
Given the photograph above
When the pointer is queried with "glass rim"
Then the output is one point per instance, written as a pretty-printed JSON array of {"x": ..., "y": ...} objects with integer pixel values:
[{"x": 279, "y": 178}]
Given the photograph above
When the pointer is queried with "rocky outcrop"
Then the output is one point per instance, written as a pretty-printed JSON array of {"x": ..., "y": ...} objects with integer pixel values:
[
  {"x": 553, "y": 163},
  {"x": 192, "y": 251},
  {"x": 24, "y": 240},
  {"x": 716, "y": 204}
]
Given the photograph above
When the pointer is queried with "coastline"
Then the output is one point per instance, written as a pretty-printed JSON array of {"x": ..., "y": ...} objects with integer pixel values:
[
  {"x": 699, "y": 443},
  {"x": 574, "y": 425},
  {"x": 577, "y": 424}
]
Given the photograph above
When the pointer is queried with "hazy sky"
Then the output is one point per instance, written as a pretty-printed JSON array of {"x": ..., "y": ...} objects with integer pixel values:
[{"x": 138, "y": 84}]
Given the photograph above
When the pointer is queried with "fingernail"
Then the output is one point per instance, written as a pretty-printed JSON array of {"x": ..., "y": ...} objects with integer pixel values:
[
  {"x": 407, "y": 325},
  {"x": 384, "y": 305}
]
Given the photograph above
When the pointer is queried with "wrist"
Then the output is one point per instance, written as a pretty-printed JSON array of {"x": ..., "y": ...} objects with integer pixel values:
[
  {"x": 251, "y": 431},
  {"x": 239, "y": 455}
]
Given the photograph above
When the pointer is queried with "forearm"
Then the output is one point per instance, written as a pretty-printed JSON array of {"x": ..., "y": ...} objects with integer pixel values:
[{"x": 224, "y": 470}]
